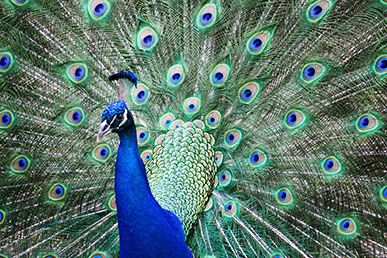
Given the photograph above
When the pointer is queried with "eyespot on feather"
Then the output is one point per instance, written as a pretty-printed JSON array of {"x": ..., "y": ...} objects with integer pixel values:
[
  {"x": 74, "y": 116},
  {"x": 207, "y": 16},
  {"x": 284, "y": 196},
  {"x": 213, "y": 119},
  {"x": 112, "y": 203},
  {"x": 218, "y": 158},
  {"x": 317, "y": 10},
  {"x": 383, "y": 193},
  {"x": 380, "y": 66},
  {"x": 248, "y": 92},
  {"x": 175, "y": 75},
  {"x": 331, "y": 165},
  {"x": 7, "y": 119},
  {"x": 232, "y": 138},
  {"x": 312, "y": 72},
  {"x": 6, "y": 61},
  {"x": 257, "y": 158},
  {"x": 147, "y": 38},
  {"x": 230, "y": 209},
  {"x": 160, "y": 139},
  {"x": 191, "y": 105},
  {"x": 77, "y": 72},
  {"x": 367, "y": 123},
  {"x": 20, "y": 164},
  {"x": 2, "y": 216},
  {"x": 98, "y": 255},
  {"x": 141, "y": 94},
  {"x": 102, "y": 153},
  {"x": 143, "y": 136},
  {"x": 209, "y": 204},
  {"x": 166, "y": 120},
  {"x": 176, "y": 124},
  {"x": 225, "y": 178},
  {"x": 199, "y": 124},
  {"x": 50, "y": 256},
  {"x": 295, "y": 118},
  {"x": 258, "y": 42},
  {"x": 219, "y": 75},
  {"x": 146, "y": 155},
  {"x": 276, "y": 255},
  {"x": 57, "y": 192},
  {"x": 346, "y": 226},
  {"x": 98, "y": 9}
]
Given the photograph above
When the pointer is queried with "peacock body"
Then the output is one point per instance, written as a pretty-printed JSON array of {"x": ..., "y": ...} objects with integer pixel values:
[{"x": 261, "y": 125}]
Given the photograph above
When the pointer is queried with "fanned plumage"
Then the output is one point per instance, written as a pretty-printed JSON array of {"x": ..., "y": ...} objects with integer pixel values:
[{"x": 291, "y": 96}]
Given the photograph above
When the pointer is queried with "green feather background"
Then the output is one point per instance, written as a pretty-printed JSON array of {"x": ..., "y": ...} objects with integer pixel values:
[{"x": 46, "y": 39}]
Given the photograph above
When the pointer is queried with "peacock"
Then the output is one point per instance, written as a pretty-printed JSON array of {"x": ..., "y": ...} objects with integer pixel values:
[{"x": 193, "y": 128}]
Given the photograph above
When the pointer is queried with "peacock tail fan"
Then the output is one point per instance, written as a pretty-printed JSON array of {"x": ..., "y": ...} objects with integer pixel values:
[{"x": 277, "y": 107}]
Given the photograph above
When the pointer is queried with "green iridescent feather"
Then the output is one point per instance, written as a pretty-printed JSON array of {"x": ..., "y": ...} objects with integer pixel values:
[{"x": 341, "y": 116}]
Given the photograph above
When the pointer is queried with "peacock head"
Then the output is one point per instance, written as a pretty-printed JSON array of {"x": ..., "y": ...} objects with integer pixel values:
[{"x": 115, "y": 118}]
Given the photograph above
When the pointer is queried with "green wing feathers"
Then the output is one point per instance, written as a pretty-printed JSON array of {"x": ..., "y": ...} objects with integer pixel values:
[{"x": 261, "y": 124}]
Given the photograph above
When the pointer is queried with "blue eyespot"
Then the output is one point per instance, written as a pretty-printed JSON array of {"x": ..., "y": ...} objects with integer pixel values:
[
  {"x": 246, "y": 94},
  {"x": 345, "y": 224},
  {"x": 148, "y": 40},
  {"x": 282, "y": 195},
  {"x": 143, "y": 135},
  {"x": 309, "y": 72},
  {"x": 255, "y": 158},
  {"x": 59, "y": 190},
  {"x": 218, "y": 77},
  {"x": 6, "y": 119},
  {"x": 230, "y": 137},
  {"x": 77, "y": 116},
  {"x": 256, "y": 44},
  {"x": 385, "y": 193},
  {"x": 206, "y": 18},
  {"x": 211, "y": 120},
  {"x": 191, "y": 107},
  {"x": 148, "y": 157},
  {"x": 97, "y": 256},
  {"x": 367, "y": 123},
  {"x": 79, "y": 73},
  {"x": 316, "y": 11},
  {"x": 99, "y": 9},
  {"x": 141, "y": 95},
  {"x": 74, "y": 116},
  {"x": 329, "y": 164},
  {"x": 364, "y": 122},
  {"x": 168, "y": 122},
  {"x": 22, "y": 163},
  {"x": 381, "y": 64},
  {"x": 2, "y": 217},
  {"x": 4, "y": 61},
  {"x": 223, "y": 177},
  {"x": 104, "y": 152},
  {"x": 292, "y": 118},
  {"x": 230, "y": 208},
  {"x": 176, "y": 77},
  {"x": 216, "y": 158}
]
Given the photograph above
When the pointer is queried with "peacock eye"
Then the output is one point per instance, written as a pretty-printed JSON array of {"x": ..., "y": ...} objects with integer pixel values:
[{"x": 120, "y": 117}]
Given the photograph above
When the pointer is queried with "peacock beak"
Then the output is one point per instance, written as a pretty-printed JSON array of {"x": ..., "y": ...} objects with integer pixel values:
[{"x": 103, "y": 130}]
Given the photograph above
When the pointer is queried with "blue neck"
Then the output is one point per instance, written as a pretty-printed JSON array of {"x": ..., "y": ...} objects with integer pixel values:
[{"x": 146, "y": 230}]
